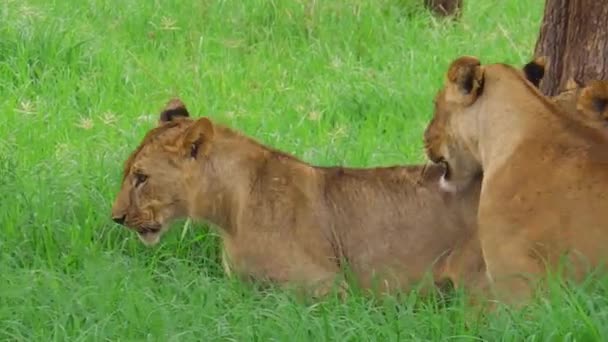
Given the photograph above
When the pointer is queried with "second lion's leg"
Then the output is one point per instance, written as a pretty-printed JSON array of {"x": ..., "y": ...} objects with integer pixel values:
[{"x": 511, "y": 267}]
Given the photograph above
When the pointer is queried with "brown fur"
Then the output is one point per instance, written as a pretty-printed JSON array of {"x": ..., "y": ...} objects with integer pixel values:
[
  {"x": 289, "y": 222},
  {"x": 545, "y": 173}
]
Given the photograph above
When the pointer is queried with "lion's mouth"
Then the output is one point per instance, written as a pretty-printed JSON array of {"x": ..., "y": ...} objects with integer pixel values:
[
  {"x": 150, "y": 229},
  {"x": 447, "y": 172},
  {"x": 150, "y": 234},
  {"x": 440, "y": 160}
]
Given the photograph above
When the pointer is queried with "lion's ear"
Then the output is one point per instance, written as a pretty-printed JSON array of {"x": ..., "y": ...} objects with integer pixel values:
[
  {"x": 535, "y": 70},
  {"x": 173, "y": 109},
  {"x": 197, "y": 138},
  {"x": 464, "y": 80},
  {"x": 593, "y": 99}
]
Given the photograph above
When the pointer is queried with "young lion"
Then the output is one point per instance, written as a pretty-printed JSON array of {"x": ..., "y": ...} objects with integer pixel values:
[
  {"x": 588, "y": 102},
  {"x": 545, "y": 174},
  {"x": 286, "y": 221}
]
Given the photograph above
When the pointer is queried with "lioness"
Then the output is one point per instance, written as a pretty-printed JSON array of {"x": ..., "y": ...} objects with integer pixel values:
[
  {"x": 289, "y": 222},
  {"x": 545, "y": 173},
  {"x": 589, "y": 102}
]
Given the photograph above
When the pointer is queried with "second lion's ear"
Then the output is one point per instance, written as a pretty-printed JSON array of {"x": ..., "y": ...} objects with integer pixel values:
[
  {"x": 173, "y": 109},
  {"x": 197, "y": 138},
  {"x": 464, "y": 80},
  {"x": 535, "y": 70}
]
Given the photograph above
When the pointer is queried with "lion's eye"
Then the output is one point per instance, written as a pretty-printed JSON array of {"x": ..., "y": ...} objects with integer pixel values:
[{"x": 140, "y": 178}]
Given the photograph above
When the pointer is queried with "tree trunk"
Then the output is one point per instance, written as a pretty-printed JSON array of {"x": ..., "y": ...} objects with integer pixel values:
[
  {"x": 574, "y": 38},
  {"x": 444, "y": 7}
]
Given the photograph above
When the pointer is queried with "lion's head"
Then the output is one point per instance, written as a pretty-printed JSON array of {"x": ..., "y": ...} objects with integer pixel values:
[
  {"x": 593, "y": 101},
  {"x": 450, "y": 138},
  {"x": 589, "y": 101},
  {"x": 157, "y": 177}
]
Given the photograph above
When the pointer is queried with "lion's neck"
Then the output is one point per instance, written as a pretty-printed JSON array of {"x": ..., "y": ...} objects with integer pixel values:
[
  {"x": 225, "y": 174},
  {"x": 505, "y": 126},
  {"x": 236, "y": 164}
]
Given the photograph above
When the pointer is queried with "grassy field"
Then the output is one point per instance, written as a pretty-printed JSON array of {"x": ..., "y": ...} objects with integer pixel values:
[{"x": 334, "y": 82}]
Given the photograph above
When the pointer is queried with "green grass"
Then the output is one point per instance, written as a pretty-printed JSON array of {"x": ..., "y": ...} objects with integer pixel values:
[{"x": 334, "y": 82}]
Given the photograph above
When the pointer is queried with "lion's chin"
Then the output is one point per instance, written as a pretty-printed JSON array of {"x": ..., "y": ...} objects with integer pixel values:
[
  {"x": 447, "y": 186},
  {"x": 445, "y": 183},
  {"x": 449, "y": 183},
  {"x": 149, "y": 238}
]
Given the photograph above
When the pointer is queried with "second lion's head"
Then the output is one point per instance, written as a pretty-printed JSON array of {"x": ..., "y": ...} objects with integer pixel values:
[{"x": 158, "y": 175}]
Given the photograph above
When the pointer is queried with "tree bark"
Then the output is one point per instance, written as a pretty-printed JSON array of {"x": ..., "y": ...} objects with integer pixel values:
[
  {"x": 574, "y": 38},
  {"x": 444, "y": 7}
]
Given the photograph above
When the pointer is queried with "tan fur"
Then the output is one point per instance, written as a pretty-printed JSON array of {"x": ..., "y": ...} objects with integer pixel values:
[
  {"x": 545, "y": 174},
  {"x": 289, "y": 222}
]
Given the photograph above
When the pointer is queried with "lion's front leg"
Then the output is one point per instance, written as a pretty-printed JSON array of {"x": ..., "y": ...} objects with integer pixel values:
[{"x": 512, "y": 266}]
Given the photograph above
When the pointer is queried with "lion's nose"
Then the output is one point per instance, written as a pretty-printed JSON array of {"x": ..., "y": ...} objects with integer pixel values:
[{"x": 119, "y": 219}]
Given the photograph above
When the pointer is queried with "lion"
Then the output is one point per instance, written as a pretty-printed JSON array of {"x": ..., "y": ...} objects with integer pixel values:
[
  {"x": 593, "y": 101},
  {"x": 589, "y": 102},
  {"x": 545, "y": 174},
  {"x": 287, "y": 222}
]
